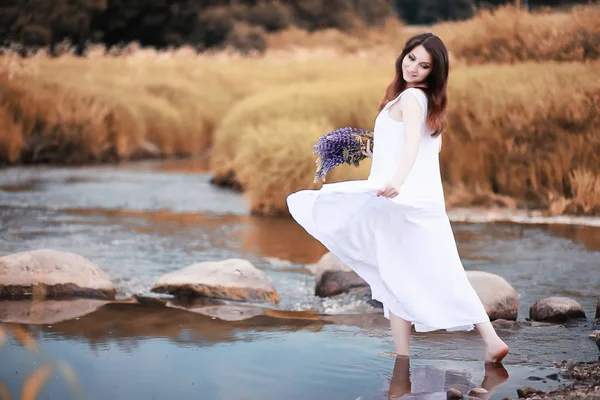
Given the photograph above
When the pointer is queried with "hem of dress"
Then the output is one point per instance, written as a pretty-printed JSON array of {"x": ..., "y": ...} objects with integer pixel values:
[{"x": 331, "y": 245}]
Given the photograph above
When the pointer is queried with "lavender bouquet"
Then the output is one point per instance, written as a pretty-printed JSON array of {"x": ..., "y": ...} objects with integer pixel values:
[{"x": 342, "y": 146}]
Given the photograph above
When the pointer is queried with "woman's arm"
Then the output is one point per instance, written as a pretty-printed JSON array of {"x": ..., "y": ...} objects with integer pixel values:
[{"x": 412, "y": 117}]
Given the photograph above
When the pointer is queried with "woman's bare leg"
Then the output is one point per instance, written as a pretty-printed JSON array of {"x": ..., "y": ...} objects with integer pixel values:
[
  {"x": 401, "y": 333},
  {"x": 495, "y": 348}
]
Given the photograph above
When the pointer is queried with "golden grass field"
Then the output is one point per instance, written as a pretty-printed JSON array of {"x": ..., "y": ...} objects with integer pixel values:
[{"x": 523, "y": 108}]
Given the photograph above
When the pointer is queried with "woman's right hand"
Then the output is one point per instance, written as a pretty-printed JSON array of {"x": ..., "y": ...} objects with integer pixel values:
[{"x": 367, "y": 152}]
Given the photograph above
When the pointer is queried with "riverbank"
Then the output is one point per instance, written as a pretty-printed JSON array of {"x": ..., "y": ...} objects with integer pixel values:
[{"x": 586, "y": 387}]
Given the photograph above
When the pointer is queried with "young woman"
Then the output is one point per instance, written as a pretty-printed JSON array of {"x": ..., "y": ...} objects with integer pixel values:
[{"x": 392, "y": 228}]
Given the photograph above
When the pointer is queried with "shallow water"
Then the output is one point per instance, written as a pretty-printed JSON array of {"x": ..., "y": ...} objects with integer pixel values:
[{"x": 142, "y": 220}]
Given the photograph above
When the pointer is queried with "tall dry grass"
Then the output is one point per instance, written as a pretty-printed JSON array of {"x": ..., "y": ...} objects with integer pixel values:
[
  {"x": 103, "y": 108},
  {"x": 73, "y": 110},
  {"x": 525, "y": 135},
  {"x": 266, "y": 141},
  {"x": 511, "y": 35},
  {"x": 522, "y": 131}
]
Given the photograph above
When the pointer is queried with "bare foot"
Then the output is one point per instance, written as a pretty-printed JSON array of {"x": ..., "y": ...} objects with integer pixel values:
[{"x": 496, "y": 352}]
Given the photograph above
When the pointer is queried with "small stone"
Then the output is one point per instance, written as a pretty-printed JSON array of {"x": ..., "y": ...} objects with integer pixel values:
[
  {"x": 528, "y": 391},
  {"x": 453, "y": 394},
  {"x": 478, "y": 392},
  {"x": 504, "y": 324},
  {"x": 153, "y": 299},
  {"x": 556, "y": 309},
  {"x": 535, "y": 378},
  {"x": 554, "y": 377}
]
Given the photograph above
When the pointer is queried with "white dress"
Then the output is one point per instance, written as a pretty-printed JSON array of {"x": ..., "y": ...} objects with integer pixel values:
[{"x": 404, "y": 248}]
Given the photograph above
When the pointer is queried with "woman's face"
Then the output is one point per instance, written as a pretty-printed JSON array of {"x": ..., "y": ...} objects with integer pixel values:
[{"x": 416, "y": 65}]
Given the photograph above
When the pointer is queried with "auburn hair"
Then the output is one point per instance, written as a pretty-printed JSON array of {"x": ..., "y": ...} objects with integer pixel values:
[{"x": 435, "y": 84}]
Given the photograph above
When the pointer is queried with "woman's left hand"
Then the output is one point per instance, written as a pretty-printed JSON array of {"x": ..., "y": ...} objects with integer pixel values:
[{"x": 389, "y": 190}]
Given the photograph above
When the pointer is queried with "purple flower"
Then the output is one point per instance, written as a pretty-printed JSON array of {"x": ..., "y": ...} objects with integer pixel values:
[{"x": 342, "y": 146}]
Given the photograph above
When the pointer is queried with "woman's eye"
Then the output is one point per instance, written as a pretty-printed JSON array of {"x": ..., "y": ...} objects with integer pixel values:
[{"x": 411, "y": 58}]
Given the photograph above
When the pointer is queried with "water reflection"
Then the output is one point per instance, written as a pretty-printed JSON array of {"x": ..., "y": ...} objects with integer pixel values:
[
  {"x": 277, "y": 238},
  {"x": 588, "y": 236},
  {"x": 36, "y": 380},
  {"x": 430, "y": 382}
]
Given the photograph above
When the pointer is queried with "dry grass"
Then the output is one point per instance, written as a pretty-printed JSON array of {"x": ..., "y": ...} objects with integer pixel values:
[
  {"x": 266, "y": 140},
  {"x": 73, "y": 110},
  {"x": 511, "y": 35},
  {"x": 522, "y": 135},
  {"x": 519, "y": 136},
  {"x": 521, "y": 131}
]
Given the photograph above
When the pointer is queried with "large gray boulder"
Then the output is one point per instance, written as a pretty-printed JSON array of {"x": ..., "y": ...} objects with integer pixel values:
[
  {"x": 499, "y": 298},
  {"x": 50, "y": 273},
  {"x": 233, "y": 279},
  {"x": 333, "y": 277},
  {"x": 556, "y": 309}
]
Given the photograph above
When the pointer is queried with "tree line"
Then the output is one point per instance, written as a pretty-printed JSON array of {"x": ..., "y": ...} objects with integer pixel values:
[
  {"x": 431, "y": 11},
  {"x": 206, "y": 24}
]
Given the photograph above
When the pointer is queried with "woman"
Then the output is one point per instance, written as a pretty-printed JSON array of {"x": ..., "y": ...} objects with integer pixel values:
[{"x": 392, "y": 228}]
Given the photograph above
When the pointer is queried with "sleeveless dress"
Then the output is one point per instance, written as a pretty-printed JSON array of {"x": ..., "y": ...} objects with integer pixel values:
[{"x": 404, "y": 247}]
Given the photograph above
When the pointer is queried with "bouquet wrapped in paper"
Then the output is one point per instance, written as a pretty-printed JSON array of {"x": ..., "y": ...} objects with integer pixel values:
[{"x": 342, "y": 146}]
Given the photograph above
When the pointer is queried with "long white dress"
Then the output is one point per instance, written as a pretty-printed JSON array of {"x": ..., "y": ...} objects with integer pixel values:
[{"x": 404, "y": 248}]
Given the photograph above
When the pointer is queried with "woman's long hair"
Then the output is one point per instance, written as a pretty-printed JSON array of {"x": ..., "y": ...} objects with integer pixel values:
[{"x": 436, "y": 81}]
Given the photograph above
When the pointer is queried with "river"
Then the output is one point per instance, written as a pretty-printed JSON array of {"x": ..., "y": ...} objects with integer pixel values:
[{"x": 138, "y": 221}]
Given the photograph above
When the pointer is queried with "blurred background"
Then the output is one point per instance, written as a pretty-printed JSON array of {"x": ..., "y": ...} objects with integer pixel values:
[{"x": 148, "y": 135}]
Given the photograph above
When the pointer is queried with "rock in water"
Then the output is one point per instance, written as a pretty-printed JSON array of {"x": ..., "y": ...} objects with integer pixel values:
[
  {"x": 453, "y": 394},
  {"x": 478, "y": 392},
  {"x": 50, "y": 273},
  {"x": 595, "y": 336},
  {"x": 528, "y": 391},
  {"x": 333, "y": 277},
  {"x": 233, "y": 279},
  {"x": 555, "y": 309},
  {"x": 499, "y": 298}
]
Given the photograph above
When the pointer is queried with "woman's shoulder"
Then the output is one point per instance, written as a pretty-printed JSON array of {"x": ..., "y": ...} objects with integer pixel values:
[
  {"x": 419, "y": 93},
  {"x": 420, "y": 96}
]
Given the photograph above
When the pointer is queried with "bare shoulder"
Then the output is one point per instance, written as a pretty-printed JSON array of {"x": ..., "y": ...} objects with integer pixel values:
[{"x": 409, "y": 102}]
